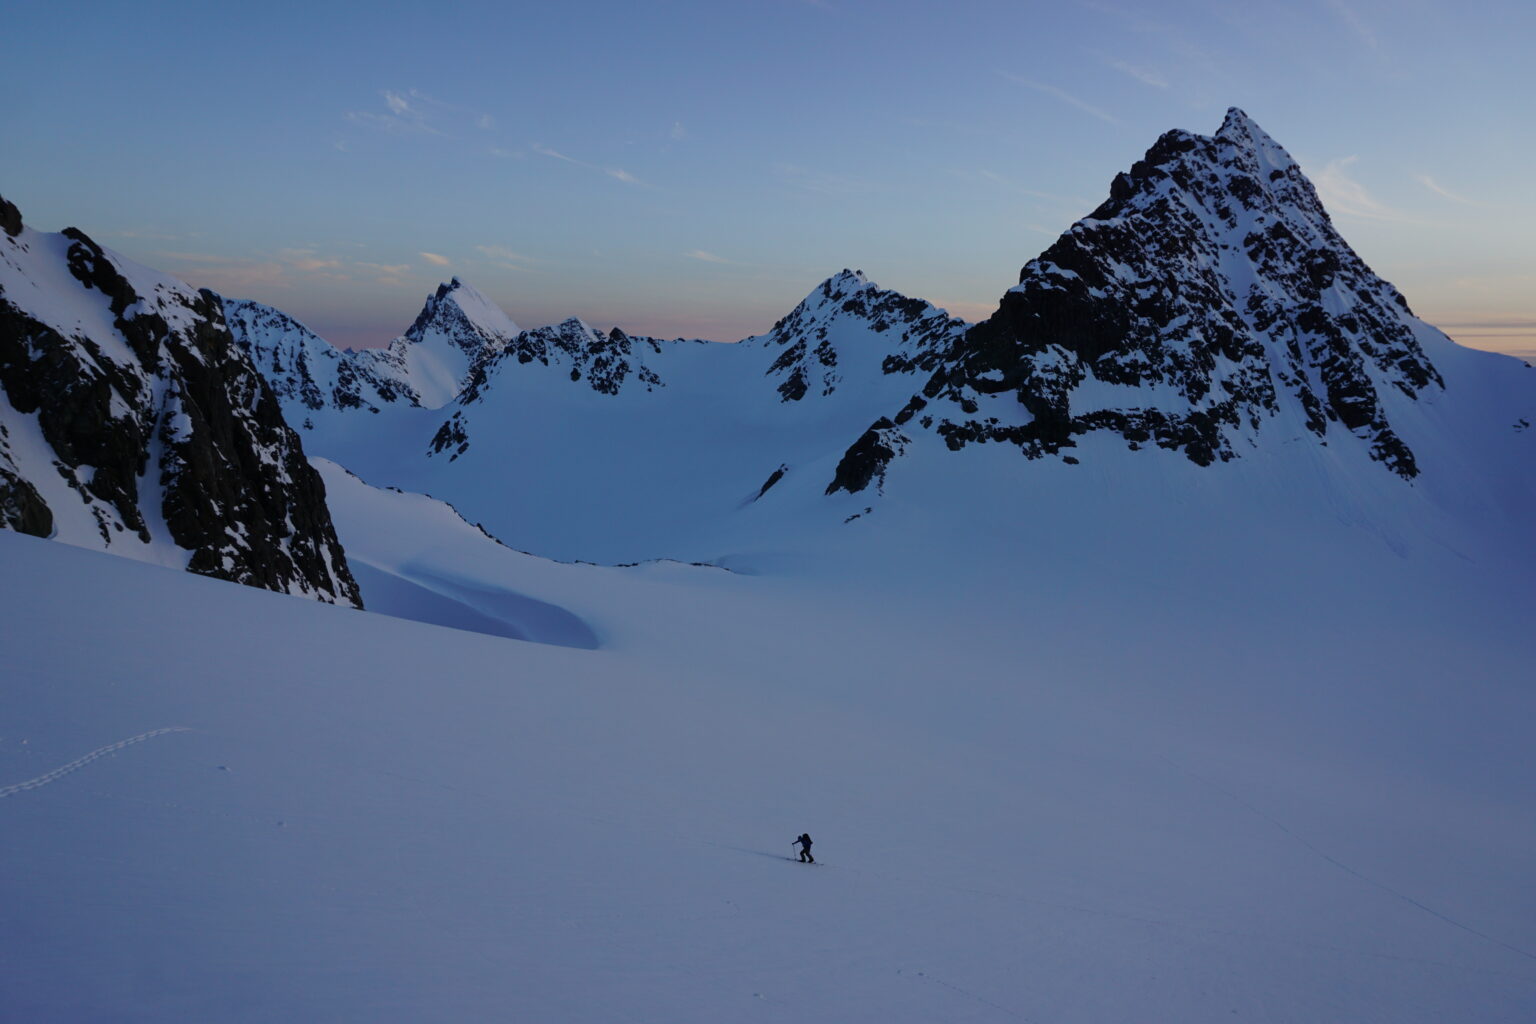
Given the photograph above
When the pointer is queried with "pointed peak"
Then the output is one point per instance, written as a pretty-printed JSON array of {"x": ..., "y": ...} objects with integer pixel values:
[
  {"x": 1238, "y": 127},
  {"x": 474, "y": 305},
  {"x": 839, "y": 286},
  {"x": 1242, "y": 131},
  {"x": 576, "y": 325}
]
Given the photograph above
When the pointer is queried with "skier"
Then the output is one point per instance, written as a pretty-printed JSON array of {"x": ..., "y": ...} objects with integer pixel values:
[{"x": 805, "y": 848}]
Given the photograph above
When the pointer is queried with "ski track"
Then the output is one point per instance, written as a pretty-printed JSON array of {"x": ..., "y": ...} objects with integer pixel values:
[
  {"x": 1431, "y": 911},
  {"x": 78, "y": 763}
]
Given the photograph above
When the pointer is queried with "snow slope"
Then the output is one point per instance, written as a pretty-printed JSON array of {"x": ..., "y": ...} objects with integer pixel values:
[
  {"x": 1223, "y": 759},
  {"x": 1139, "y": 732},
  {"x": 416, "y": 558}
]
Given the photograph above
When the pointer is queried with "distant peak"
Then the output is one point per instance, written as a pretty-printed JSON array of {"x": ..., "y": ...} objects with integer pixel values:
[{"x": 482, "y": 313}]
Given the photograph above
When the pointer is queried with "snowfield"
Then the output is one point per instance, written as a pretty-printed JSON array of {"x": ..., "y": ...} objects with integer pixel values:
[
  {"x": 1232, "y": 757},
  {"x": 1158, "y": 649}
]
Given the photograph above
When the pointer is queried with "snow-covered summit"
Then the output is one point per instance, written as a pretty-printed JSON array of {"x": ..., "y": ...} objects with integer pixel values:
[
  {"x": 456, "y": 330},
  {"x": 1207, "y": 305},
  {"x": 850, "y": 326}
]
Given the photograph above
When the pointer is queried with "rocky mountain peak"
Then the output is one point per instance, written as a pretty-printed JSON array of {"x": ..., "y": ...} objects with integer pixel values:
[
  {"x": 463, "y": 316},
  {"x": 833, "y": 326},
  {"x": 1207, "y": 297}
]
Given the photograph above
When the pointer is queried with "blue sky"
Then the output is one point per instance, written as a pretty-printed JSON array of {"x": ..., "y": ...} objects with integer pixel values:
[{"x": 697, "y": 168}]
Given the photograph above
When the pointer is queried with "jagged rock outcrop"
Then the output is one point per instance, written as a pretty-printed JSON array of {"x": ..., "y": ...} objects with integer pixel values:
[
  {"x": 807, "y": 359},
  {"x": 131, "y": 422},
  {"x": 1208, "y": 297},
  {"x": 603, "y": 361},
  {"x": 306, "y": 372}
]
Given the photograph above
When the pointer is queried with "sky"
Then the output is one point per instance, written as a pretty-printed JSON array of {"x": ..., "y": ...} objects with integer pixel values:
[{"x": 695, "y": 169}]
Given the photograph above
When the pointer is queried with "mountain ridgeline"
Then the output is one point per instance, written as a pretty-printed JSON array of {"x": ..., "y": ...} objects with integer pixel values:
[{"x": 1207, "y": 309}]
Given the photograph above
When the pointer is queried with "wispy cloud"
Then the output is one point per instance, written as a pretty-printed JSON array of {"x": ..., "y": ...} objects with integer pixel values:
[
  {"x": 706, "y": 257},
  {"x": 1440, "y": 190},
  {"x": 310, "y": 264},
  {"x": 435, "y": 259},
  {"x": 1344, "y": 196},
  {"x": 413, "y": 112},
  {"x": 391, "y": 275},
  {"x": 506, "y": 259},
  {"x": 1011, "y": 185},
  {"x": 1146, "y": 76},
  {"x": 1061, "y": 94},
  {"x": 822, "y": 181},
  {"x": 500, "y": 252},
  {"x": 617, "y": 173},
  {"x": 407, "y": 113},
  {"x": 678, "y": 132}
]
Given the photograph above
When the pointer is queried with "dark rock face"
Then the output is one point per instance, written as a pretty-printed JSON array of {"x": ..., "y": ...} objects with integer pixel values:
[
  {"x": 1205, "y": 298},
  {"x": 865, "y": 462},
  {"x": 10, "y": 218},
  {"x": 164, "y": 423},
  {"x": 21, "y": 508},
  {"x": 451, "y": 437},
  {"x": 773, "y": 478}
]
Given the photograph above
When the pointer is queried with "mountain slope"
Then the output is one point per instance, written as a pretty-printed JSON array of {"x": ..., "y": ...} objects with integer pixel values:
[
  {"x": 131, "y": 422},
  {"x": 416, "y": 558}
]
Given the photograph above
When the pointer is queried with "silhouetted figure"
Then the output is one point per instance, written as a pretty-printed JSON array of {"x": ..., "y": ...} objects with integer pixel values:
[{"x": 805, "y": 848}]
